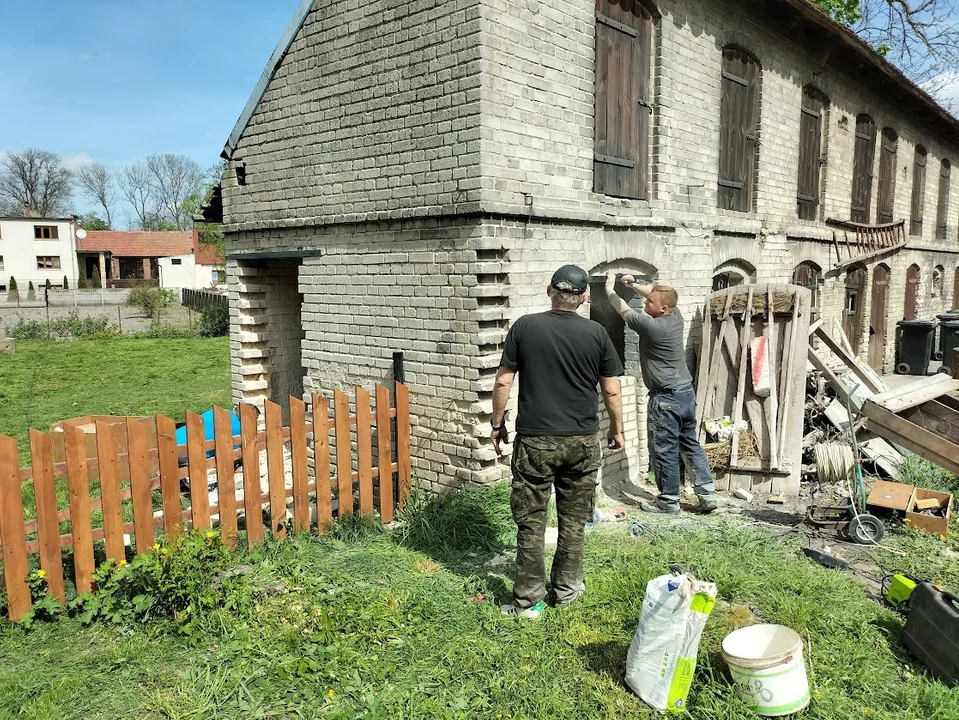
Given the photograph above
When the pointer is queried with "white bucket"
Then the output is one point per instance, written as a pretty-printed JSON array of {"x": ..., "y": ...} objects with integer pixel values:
[{"x": 766, "y": 662}]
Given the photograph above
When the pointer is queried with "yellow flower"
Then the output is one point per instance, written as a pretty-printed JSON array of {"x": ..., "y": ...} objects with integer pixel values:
[
  {"x": 330, "y": 693},
  {"x": 156, "y": 546},
  {"x": 942, "y": 538},
  {"x": 869, "y": 711},
  {"x": 816, "y": 693},
  {"x": 122, "y": 563},
  {"x": 210, "y": 534},
  {"x": 907, "y": 520},
  {"x": 41, "y": 574}
]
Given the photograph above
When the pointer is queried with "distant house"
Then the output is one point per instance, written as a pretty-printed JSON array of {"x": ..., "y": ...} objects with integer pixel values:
[
  {"x": 164, "y": 259},
  {"x": 36, "y": 250},
  {"x": 210, "y": 266}
]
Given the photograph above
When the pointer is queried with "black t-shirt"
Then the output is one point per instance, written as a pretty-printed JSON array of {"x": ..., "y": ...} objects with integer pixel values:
[{"x": 560, "y": 357}]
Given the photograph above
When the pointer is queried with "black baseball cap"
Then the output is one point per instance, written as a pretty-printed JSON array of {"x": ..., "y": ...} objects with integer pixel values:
[{"x": 570, "y": 278}]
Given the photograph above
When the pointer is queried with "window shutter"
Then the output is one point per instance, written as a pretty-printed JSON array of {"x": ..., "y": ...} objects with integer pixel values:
[
  {"x": 887, "y": 176},
  {"x": 863, "y": 158},
  {"x": 912, "y": 290},
  {"x": 918, "y": 190},
  {"x": 810, "y": 143},
  {"x": 942, "y": 207},
  {"x": 622, "y": 102},
  {"x": 738, "y": 141}
]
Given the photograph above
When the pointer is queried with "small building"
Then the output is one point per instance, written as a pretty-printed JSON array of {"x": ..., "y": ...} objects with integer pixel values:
[
  {"x": 128, "y": 258},
  {"x": 36, "y": 250},
  {"x": 407, "y": 175}
]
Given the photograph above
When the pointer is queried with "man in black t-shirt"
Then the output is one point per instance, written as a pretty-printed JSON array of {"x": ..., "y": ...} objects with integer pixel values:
[{"x": 561, "y": 357}]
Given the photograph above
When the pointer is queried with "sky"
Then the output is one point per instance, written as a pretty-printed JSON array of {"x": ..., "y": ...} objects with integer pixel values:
[{"x": 113, "y": 81}]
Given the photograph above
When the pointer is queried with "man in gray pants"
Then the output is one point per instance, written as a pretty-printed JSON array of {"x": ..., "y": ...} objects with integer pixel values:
[{"x": 671, "y": 416}]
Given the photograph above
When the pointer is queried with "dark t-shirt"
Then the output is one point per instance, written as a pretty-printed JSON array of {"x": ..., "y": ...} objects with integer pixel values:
[
  {"x": 560, "y": 357},
  {"x": 661, "y": 353}
]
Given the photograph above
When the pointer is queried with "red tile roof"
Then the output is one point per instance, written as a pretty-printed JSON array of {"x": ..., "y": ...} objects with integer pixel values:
[
  {"x": 207, "y": 254},
  {"x": 138, "y": 243}
]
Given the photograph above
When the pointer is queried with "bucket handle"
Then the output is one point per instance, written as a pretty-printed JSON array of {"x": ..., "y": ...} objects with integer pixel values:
[{"x": 951, "y": 598}]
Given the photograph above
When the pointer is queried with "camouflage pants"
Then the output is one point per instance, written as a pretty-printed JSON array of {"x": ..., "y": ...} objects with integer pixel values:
[{"x": 539, "y": 464}]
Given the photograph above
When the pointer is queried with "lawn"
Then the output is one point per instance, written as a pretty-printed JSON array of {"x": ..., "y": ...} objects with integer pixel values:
[
  {"x": 45, "y": 382},
  {"x": 373, "y": 624}
]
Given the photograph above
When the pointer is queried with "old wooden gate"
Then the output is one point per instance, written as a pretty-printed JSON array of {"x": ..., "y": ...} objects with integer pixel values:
[
  {"x": 852, "y": 313},
  {"x": 877, "y": 317},
  {"x": 909, "y": 307}
]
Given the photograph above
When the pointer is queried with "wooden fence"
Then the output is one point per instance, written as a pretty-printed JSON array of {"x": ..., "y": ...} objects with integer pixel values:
[
  {"x": 125, "y": 449},
  {"x": 198, "y": 300}
]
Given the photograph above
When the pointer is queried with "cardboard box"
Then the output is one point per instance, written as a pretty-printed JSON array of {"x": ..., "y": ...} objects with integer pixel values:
[{"x": 930, "y": 523}]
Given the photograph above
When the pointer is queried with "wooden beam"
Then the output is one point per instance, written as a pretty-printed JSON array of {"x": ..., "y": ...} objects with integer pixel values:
[
  {"x": 916, "y": 393},
  {"x": 840, "y": 266},
  {"x": 900, "y": 431}
]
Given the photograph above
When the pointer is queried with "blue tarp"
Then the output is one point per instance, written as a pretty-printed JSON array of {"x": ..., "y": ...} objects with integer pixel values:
[{"x": 208, "y": 428}]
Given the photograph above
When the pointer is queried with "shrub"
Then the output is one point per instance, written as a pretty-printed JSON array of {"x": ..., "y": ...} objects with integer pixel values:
[
  {"x": 160, "y": 331},
  {"x": 151, "y": 300},
  {"x": 31, "y": 292},
  {"x": 66, "y": 283},
  {"x": 13, "y": 295},
  {"x": 97, "y": 283},
  {"x": 214, "y": 321},
  {"x": 48, "y": 285},
  {"x": 71, "y": 326}
]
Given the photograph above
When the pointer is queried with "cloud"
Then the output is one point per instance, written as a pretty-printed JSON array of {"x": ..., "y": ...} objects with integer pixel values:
[
  {"x": 76, "y": 161},
  {"x": 945, "y": 89}
]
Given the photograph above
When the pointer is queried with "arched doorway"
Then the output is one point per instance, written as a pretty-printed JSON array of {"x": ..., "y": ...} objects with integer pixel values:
[
  {"x": 853, "y": 308},
  {"x": 910, "y": 307},
  {"x": 732, "y": 273},
  {"x": 877, "y": 317},
  {"x": 808, "y": 275}
]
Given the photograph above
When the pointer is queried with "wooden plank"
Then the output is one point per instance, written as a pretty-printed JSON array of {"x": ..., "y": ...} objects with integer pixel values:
[
  {"x": 702, "y": 368},
  {"x": 78, "y": 484},
  {"x": 403, "y": 441},
  {"x": 169, "y": 475},
  {"x": 916, "y": 393},
  {"x": 708, "y": 400},
  {"x": 772, "y": 404},
  {"x": 866, "y": 378},
  {"x": 925, "y": 418},
  {"x": 867, "y": 256},
  {"x": 11, "y": 531},
  {"x": 364, "y": 449},
  {"x": 225, "y": 480},
  {"x": 140, "y": 484},
  {"x": 110, "y": 491},
  {"x": 276, "y": 475},
  {"x": 321, "y": 461},
  {"x": 252, "y": 489},
  {"x": 301, "y": 479},
  {"x": 344, "y": 460},
  {"x": 199, "y": 484},
  {"x": 385, "y": 453},
  {"x": 744, "y": 339},
  {"x": 902, "y": 432},
  {"x": 45, "y": 500},
  {"x": 786, "y": 381}
]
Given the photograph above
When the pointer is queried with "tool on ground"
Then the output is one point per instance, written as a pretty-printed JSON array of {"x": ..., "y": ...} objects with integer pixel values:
[{"x": 898, "y": 588}]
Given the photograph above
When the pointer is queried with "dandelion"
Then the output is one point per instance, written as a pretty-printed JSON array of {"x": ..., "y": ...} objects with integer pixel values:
[
  {"x": 210, "y": 534},
  {"x": 942, "y": 538},
  {"x": 816, "y": 693},
  {"x": 122, "y": 563},
  {"x": 330, "y": 693},
  {"x": 156, "y": 546},
  {"x": 41, "y": 574}
]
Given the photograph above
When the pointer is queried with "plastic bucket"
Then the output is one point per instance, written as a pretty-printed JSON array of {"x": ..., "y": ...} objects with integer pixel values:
[{"x": 766, "y": 662}]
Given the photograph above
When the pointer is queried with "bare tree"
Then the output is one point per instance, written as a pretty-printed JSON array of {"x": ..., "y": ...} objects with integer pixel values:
[
  {"x": 96, "y": 182},
  {"x": 134, "y": 182},
  {"x": 35, "y": 181},
  {"x": 174, "y": 178}
]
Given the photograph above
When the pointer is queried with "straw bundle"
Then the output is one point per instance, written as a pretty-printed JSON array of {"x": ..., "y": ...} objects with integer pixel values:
[
  {"x": 718, "y": 454},
  {"x": 782, "y": 303}
]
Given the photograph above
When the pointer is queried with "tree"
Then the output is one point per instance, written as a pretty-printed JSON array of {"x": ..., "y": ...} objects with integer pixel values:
[
  {"x": 66, "y": 283},
  {"x": 97, "y": 283},
  {"x": 31, "y": 292},
  {"x": 13, "y": 294},
  {"x": 96, "y": 183},
  {"x": 35, "y": 181},
  {"x": 134, "y": 183},
  {"x": 48, "y": 285},
  {"x": 174, "y": 178},
  {"x": 92, "y": 222},
  {"x": 917, "y": 36}
]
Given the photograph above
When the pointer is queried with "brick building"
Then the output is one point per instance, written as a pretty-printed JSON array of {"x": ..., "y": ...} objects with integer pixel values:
[{"x": 407, "y": 175}]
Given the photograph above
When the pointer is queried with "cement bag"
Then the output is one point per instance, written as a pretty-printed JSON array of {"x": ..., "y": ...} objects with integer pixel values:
[
  {"x": 759, "y": 357},
  {"x": 662, "y": 656}
]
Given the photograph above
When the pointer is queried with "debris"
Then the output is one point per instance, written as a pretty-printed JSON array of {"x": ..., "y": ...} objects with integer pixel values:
[
  {"x": 743, "y": 494},
  {"x": 776, "y": 500},
  {"x": 826, "y": 559},
  {"x": 476, "y": 599},
  {"x": 638, "y": 529},
  {"x": 927, "y": 504}
]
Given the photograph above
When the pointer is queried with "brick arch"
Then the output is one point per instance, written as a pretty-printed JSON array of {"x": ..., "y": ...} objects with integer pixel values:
[
  {"x": 746, "y": 250},
  {"x": 604, "y": 248}
]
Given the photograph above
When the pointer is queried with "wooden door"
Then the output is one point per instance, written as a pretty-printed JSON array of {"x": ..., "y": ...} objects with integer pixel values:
[
  {"x": 909, "y": 308},
  {"x": 877, "y": 317},
  {"x": 918, "y": 191},
  {"x": 853, "y": 312},
  {"x": 863, "y": 157},
  {"x": 810, "y": 156},
  {"x": 955, "y": 291},
  {"x": 738, "y": 130},
  {"x": 887, "y": 176},
  {"x": 942, "y": 205}
]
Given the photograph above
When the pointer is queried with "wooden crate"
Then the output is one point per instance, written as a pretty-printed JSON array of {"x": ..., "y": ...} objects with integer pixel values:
[{"x": 930, "y": 523}]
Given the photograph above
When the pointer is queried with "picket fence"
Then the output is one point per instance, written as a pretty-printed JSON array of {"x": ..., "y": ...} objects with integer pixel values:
[{"x": 135, "y": 457}]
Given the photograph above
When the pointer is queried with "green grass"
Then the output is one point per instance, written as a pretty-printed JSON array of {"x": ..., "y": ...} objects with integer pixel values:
[
  {"x": 365, "y": 624},
  {"x": 46, "y": 382}
]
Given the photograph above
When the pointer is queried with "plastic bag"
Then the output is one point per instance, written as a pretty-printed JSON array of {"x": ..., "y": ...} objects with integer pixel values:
[
  {"x": 759, "y": 359},
  {"x": 662, "y": 656}
]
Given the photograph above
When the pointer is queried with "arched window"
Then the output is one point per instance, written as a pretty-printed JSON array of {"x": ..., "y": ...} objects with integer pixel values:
[
  {"x": 937, "y": 279},
  {"x": 863, "y": 157},
  {"x": 942, "y": 207},
  {"x": 918, "y": 190},
  {"x": 602, "y": 312},
  {"x": 910, "y": 307},
  {"x": 809, "y": 275},
  {"x": 887, "y": 176},
  {"x": 732, "y": 273},
  {"x": 738, "y": 130},
  {"x": 854, "y": 305},
  {"x": 623, "y": 99},
  {"x": 810, "y": 152}
]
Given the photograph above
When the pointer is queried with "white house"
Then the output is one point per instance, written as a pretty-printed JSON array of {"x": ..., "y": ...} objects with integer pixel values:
[{"x": 36, "y": 250}]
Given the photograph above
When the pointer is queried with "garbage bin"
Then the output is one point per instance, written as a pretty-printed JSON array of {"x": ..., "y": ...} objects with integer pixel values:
[
  {"x": 916, "y": 340},
  {"x": 948, "y": 340}
]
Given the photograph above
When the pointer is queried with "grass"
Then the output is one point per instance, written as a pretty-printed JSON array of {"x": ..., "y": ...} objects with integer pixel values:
[
  {"x": 370, "y": 624},
  {"x": 46, "y": 382}
]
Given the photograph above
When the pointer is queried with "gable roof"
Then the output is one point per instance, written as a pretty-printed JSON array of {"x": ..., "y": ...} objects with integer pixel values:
[
  {"x": 802, "y": 9},
  {"x": 207, "y": 254},
  {"x": 138, "y": 243},
  {"x": 296, "y": 22}
]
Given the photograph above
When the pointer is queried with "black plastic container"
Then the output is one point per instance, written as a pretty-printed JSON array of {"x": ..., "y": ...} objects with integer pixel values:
[
  {"x": 932, "y": 631},
  {"x": 948, "y": 340},
  {"x": 916, "y": 341}
]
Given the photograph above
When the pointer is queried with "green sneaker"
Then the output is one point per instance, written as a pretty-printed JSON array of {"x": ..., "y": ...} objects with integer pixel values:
[{"x": 530, "y": 613}]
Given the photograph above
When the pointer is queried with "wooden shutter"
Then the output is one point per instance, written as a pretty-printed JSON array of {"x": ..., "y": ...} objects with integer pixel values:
[
  {"x": 910, "y": 307},
  {"x": 877, "y": 317},
  {"x": 623, "y": 99},
  {"x": 887, "y": 176},
  {"x": 853, "y": 312},
  {"x": 738, "y": 130},
  {"x": 955, "y": 290},
  {"x": 810, "y": 160},
  {"x": 918, "y": 190},
  {"x": 863, "y": 157},
  {"x": 942, "y": 206}
]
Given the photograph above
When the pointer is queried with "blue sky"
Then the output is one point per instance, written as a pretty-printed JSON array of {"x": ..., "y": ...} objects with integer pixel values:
[{"x": 116, "y": 80}]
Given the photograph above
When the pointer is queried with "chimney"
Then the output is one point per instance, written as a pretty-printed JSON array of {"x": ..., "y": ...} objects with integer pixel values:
[{"x": 29, "y": 211}]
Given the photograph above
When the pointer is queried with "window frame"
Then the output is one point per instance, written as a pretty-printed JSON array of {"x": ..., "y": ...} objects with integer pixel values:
[
  {"x": 53, "y": 232},
  {"x": 810, "y": 165},
  {"x": 55, "y": 261},
  {"x": 739, "y": 129},
  {"x": 176, "y": 261}
]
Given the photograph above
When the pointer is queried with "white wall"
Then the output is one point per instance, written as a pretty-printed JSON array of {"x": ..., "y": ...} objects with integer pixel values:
[
  {"x": 182, "y": 275},
  {"x": 19, "y": 251},
  {"x": 206, "y": 276}
]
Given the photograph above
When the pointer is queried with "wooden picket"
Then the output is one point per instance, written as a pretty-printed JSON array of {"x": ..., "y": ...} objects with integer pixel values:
[{"x": 329, "y": 482}]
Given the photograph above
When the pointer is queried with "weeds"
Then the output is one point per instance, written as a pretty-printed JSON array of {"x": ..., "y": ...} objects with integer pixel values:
[{"x": 71, "y": 326}]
